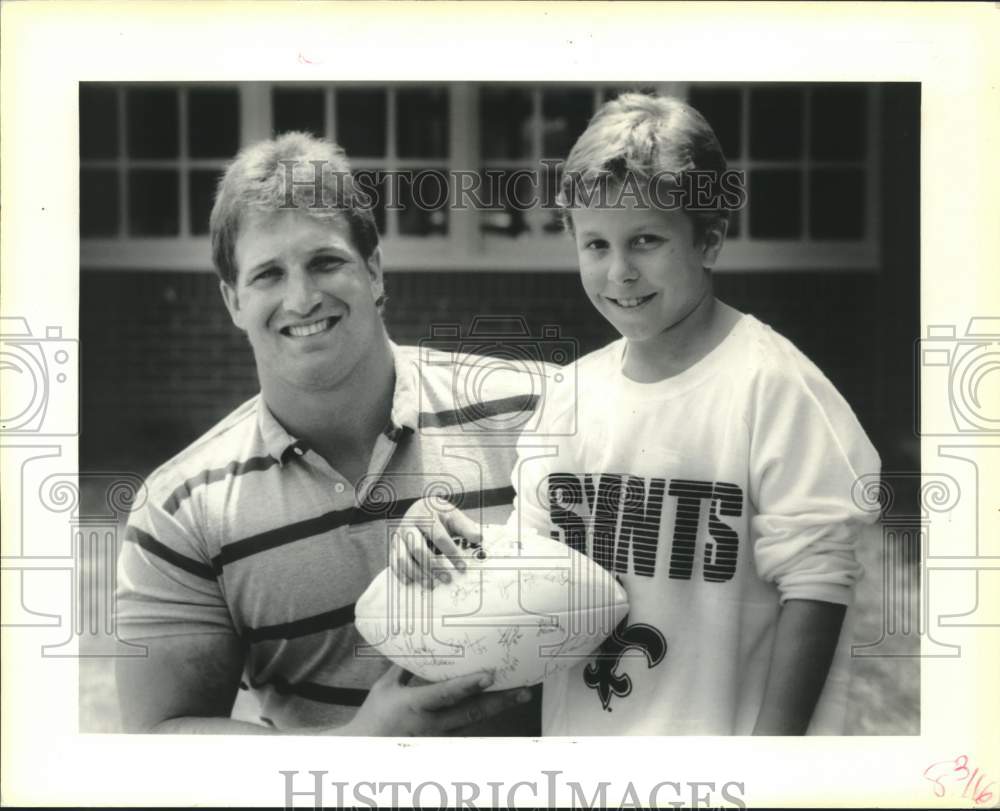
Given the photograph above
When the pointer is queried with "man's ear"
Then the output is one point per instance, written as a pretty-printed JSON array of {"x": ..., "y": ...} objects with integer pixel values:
[
  {"x": 374, "y": 263},
  {"x": 715, "y": 237},
  {"x": 232, "y": 303}
]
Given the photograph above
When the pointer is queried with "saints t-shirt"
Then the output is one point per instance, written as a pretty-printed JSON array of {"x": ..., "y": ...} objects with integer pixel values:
[{"x": 714, "y": 496}]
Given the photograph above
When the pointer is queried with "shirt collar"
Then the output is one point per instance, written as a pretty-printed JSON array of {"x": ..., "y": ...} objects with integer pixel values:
[
  {"x": 406, "y": 397},
  {"x": 402, "y": 419},
  {"x": 278, "y": 442}
]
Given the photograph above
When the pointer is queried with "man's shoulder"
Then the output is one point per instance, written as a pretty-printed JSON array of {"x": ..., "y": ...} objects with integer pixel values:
[
  {"x": 464, "y": 378},
  {"x": 220, "y": 446}
]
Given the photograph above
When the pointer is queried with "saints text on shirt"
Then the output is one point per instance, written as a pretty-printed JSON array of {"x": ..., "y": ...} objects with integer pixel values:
[{"x": 624, "y": 513}]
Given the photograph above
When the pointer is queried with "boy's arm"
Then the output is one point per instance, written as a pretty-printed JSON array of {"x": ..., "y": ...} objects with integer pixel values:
[
  {"x": 809, "y": 464},
  {"x": 804, "y": 644}
]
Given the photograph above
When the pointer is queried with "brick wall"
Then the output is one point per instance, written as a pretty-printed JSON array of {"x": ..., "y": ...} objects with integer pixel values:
[{"x": 161, "y": 361}]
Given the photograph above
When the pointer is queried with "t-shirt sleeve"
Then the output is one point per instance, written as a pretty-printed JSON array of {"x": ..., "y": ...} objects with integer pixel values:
[
  {"x": 808, "y": 454},
  {"x": 530, "y": 481},
  {"x": 541, "y": 453},
  {"x": 167, "y": 585}
]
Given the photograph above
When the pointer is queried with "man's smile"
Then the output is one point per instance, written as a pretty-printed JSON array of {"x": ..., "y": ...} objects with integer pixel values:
[{"x": 312, "y": 328}]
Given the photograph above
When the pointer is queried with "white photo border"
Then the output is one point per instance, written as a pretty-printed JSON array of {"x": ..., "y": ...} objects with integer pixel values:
[{"x": 48, "y": 48}]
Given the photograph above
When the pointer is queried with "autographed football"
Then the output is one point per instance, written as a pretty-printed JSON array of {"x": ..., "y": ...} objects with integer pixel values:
[{"x": 526, "y": 607}]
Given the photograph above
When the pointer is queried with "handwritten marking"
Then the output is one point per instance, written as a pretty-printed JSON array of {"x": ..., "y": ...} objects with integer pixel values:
[{"x": 950, "y": 774}]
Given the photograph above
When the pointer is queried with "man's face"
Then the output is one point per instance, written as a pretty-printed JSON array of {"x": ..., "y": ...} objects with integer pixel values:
[
  {"x": 305, "y": 298},
  {"x": 641, "y": 266}
]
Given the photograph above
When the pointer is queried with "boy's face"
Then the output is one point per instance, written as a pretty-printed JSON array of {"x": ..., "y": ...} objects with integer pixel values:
[
  {"x": 641, "y": 266},
  {"x": 305, "y": 297}
]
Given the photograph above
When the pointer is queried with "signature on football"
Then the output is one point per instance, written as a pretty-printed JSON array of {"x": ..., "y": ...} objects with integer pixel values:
[{"x": 948, "y": 776}]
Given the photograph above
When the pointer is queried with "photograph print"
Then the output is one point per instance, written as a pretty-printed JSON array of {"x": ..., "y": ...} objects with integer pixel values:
[{"x": 502, "y": 409}]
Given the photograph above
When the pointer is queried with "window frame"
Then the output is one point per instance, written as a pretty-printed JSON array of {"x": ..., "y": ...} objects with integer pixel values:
[
  {"x": 746, "y": 253},
  {"x": 466, "y": 247}
]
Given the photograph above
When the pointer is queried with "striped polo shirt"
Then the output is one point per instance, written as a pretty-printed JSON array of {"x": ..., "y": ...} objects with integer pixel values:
[{"x": 250, "y": 532}]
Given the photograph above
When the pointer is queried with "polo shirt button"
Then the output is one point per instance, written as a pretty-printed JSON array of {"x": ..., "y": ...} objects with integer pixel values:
[
  {"x": 298, "y": 451},
  {"x": 338, "y": 487}
]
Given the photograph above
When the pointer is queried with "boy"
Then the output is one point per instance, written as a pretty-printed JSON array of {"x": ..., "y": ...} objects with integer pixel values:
[{"x": 712, "y": 470}]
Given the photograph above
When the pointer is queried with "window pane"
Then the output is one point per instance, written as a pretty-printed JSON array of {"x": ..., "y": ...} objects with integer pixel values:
[
  {"x": 551, "y": 214},
  {"x": 201, "y": 196},
  {"x": 776, "y": 123},
  {"x": 509, "y": 194},
  {"x": 295, "y": 109},
  {"x": 565, "y": 113},
  {"x": 735, "y": 222},
  {"x": 152, "y": 123},
  {"x": 361, "y": 122},
  {"x": 422, "y": 123},
  {"x": 213, "y": 122},
  {"x": 98, "y": 203},
  {"x": 722, "y": 108},
  {"x": 372, "y": 183},
  {"x": 837, "y": 204},
  {"x": 505, "y": 122},
  {"x": 775, "y": 203},
  {"x": 98, "y": 121},
  {"x": 153, "y": 202},
  {"x": 839, "y": 121},
  {"x": 423, "y": 198}
]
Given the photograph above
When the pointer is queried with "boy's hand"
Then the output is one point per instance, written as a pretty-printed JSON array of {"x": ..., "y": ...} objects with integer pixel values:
[
  {"x": 431, "y": 523},
  {"x": 395, "y": 707}
]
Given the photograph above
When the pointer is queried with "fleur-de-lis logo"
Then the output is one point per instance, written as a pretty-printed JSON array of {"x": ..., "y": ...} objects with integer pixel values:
[{"x": 602, "y": 673}]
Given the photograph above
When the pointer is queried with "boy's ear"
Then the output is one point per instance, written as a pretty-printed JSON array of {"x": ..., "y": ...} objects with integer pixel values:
[
  {"x": 232, "y": 302},
  {"x": 715, "y": 236}
]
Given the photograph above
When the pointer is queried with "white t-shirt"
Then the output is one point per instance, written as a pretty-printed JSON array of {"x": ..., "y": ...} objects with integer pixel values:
[{"x": 714, "y": 495}]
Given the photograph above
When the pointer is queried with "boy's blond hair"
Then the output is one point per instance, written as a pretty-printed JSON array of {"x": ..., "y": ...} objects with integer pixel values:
[{"x": 648, "y": 139}]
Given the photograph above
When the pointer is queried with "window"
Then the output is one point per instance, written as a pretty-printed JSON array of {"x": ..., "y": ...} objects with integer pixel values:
[
  {"x": 386, "y": 132},
  {"x": 524, "y": 133},
  {"x": 809, "y": 154},
  {"x": 151, "y": 155}
]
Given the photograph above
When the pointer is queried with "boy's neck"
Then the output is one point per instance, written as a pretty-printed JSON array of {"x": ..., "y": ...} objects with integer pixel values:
[{"x": 682, "y": 345}]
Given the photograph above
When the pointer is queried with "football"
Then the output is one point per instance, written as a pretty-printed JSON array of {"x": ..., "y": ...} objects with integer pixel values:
[{"x": 526, "y": 607}]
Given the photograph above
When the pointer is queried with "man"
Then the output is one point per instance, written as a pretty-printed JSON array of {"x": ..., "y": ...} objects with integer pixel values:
[{"x": 242, "y": 567}]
